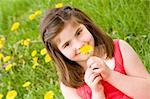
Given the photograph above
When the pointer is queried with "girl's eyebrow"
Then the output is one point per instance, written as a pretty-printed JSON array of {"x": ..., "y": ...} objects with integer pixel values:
[{"x": 79, "y": 28}]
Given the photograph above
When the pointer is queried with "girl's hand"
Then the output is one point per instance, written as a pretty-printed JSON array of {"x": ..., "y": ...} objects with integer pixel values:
[
  {"x": 92, "y": 79},
  {"x": 99, "y": 66}
]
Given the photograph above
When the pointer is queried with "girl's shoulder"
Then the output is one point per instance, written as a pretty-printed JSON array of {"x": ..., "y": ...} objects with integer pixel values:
[
  {"x": 122, "y": 44},
  {"x": 132, "y": 63}
]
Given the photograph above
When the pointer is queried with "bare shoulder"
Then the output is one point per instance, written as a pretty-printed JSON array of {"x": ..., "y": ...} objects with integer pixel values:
[
  {"x": 68, "y": 92},
  {"x": 132, "y": 63}
]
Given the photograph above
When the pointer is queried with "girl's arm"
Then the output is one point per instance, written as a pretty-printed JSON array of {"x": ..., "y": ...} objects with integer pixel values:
[
  {"x": 93, "y": 80},
  {"x": 136, "y": 83},
  {"x": 98, "y": 95},
  {"x": 69, "y": 93}
]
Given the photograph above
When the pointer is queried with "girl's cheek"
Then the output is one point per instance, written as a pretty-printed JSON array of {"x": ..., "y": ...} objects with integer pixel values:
[
  {"x": 87, "y": 38},
  {"x": 71, "y": 54}
]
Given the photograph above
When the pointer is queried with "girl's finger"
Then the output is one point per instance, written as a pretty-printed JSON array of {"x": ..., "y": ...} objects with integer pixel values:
[
  {"x": 90, "y": 61},
  {"x": 96, "y": 80},
  {"x": 99, "y": 70},
  {"x": 95, "y": 66},
  {"x": 93, "y": 76},
  {"x": 93, "y": 59},
  {"x": 88, "y": 73}
]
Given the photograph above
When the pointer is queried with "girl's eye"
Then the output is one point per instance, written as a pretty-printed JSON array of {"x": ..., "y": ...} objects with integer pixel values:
[
  {"x": 79, "y": 32},
  {"x": 67, "y": 44}
]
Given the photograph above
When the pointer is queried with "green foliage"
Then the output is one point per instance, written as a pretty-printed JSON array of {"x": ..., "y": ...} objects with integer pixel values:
[{"x": 124, "y": 19}]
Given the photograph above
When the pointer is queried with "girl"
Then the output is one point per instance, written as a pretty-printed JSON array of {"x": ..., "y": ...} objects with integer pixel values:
[{"x": 111, "y": 71}]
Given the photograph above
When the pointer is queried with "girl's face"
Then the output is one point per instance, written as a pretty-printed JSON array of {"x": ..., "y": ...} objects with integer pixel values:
[{"x": 71, "y": 39}]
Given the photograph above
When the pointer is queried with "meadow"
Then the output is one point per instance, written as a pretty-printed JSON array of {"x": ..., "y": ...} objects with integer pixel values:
[{"x": 27, "y": 72}]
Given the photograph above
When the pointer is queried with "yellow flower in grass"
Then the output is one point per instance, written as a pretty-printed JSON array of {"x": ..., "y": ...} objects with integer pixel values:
[
  {"x": 1, "y": 96},
  {"x": 33, "y": 53},
  {"x": 1, "y": 56},
  {"x": 26, "y": 84},
  {"x": 2, "y": 41},
  {"x": 7, "y": 58},
  {"x": 43, "y": 51},
  {"x": 35, "y": 59},
  {"x": 49, "y": 95},
  {"x": 22, "y": 42},
  {"x": 8, "y": 67},
  {"x": 38, "y": 12},
  {"x": 32, "y": 17},
  {"x": 26, "y": 42},
  {"x": 2, "y": 38},
  {"x": 11, "y": 94},
  {"x": 35, "y": 65},
  {"x": 86, "y": 49},
  {"x": 15, "y": 26},
  {"x": 47, "y": 58},
  {"x": 58, "y": 5}
]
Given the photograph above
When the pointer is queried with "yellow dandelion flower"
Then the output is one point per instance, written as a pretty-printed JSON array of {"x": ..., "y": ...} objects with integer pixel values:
[
  {"x": 58, "y": 5},
  {"x": 22, "y": 42},
  {"x": 15, "y": 26},
  {"x": 33, "y": 53},
  {"x": 8, "y": 67},
  {"x": 11, "y": 94},
  {"x": 35, "y": 59},
  {"x": 2, "y": 41},
  {"x": 1, "y": 96},
  {"x": 47, "y": 58},
  {"x": 38, "y": 12},
  {"x": 86, "y": 49},
  {"x": 26, "y": 42},
  {"x": 7, "y": 58},
  {"x": 35, "y": 65},
  {"x": 2, "y": 38},
  {"x": 1, "y": 56},
  {"x": 26, "y": 84},
  {"x": 49, "y": 95},
  {"x": 43, "y": 51},
  {"x": 32, "y": 17}
]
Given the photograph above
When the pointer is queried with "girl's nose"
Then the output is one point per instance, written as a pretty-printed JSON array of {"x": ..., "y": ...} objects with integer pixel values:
[{"x": 78, "y": 45}]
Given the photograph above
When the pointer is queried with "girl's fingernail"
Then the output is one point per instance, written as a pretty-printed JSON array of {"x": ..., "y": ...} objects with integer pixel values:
[{"x": 95, "y": 68}]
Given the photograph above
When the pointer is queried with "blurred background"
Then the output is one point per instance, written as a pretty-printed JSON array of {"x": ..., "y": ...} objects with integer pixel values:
[{"x": 27, "y": 72}]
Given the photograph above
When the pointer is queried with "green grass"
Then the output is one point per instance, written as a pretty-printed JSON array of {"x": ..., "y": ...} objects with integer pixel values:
[{"x": 124, "y": 19}]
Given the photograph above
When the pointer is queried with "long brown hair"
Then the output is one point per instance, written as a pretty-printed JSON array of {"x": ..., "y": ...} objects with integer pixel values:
[{"x": 70, "y": 73}]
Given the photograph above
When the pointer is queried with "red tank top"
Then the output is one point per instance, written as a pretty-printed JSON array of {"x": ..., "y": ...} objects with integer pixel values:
[{"x": 110, "y": 92}]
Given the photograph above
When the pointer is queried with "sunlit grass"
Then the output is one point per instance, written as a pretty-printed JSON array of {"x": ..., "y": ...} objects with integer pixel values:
[{"x": 123, "y": 19}]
